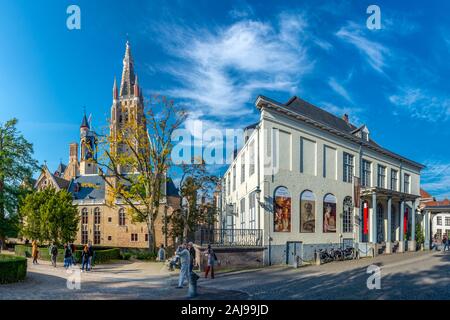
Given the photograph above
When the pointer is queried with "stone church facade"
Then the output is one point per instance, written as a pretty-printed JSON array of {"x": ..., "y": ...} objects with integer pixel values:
[{"x": 103, "y": 223}]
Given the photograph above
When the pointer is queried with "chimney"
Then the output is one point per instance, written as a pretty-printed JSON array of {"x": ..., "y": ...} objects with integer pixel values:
[{"x": 345, "y": 117}]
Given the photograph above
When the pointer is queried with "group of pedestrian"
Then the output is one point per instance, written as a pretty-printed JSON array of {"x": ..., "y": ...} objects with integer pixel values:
[
  {"x": 445, "y": 243},
  {"x": 187, "y": 256},
  {"x": 87, "y": 256}
]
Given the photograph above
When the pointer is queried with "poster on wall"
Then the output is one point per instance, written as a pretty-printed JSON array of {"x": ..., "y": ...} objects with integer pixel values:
[
  {"x": 307, "y": 212},
  {"x": 329, "y": 213},
  {"x": 282, "y": 210}
]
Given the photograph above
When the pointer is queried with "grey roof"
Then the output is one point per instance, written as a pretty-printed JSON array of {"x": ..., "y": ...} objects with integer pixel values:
[
  {"x": 329, "y": 120},
  {"x": 91, "y": 187},
  {"x": 61, "y": 168},
  {"x": 311, "y": 111},
  {"x": 84, "y": 123}
]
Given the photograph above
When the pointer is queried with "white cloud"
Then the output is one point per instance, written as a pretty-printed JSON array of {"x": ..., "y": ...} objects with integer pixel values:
[
  {"x": 219, "y": 71},
  {"x": 422, "y": 104},
  {"x": 374, "y": 52},
  {"x": 339, "y": 89},
  {"x": 436, "y": 179}
]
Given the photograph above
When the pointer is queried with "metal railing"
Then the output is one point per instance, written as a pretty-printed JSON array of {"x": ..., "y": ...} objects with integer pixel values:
[{"x": 229, "y": 237}]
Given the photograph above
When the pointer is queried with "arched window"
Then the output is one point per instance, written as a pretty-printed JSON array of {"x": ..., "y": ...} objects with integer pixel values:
[
  {"x": 121, "y": 217},
  {"x": 329, "y": 213},
  {"x": 84, "y": 216},
  {"x": 307, "y": 212},
  {"x": 282, "y": 210},
  {"x": 97, "y": 215},
  {"x": 380, "y": 223},
  {"x": 347, "y": 221}
]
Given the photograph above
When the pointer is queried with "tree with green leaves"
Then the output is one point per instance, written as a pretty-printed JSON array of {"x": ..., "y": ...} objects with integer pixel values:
[
  {"x": 137, "y": 158},
  {"x": 49, "y": 216},
  {"x": 195, "y": 183},
  {"x": 16, "y": 168}
]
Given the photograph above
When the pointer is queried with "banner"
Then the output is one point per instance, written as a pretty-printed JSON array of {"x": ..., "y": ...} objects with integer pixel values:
[
  {"x": 282, "y": 206},
  {"x": 329, "y": 213},
  {"x": 307, "y": 212},
  {"x": 405, "y": 221},
  {"x": 366, "y": 218}
]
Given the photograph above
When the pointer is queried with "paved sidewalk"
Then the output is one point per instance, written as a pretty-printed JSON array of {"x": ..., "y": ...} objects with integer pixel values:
[{"x": 121, "y": 280}]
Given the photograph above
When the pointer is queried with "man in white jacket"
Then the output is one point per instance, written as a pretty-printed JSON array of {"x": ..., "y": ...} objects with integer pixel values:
[{"x": 185, "y": 258}]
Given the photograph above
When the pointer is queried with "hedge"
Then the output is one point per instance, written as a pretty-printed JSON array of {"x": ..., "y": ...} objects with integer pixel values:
[
  {"x": 12, "y": 268},
  {"x": 100, "y": 255}
]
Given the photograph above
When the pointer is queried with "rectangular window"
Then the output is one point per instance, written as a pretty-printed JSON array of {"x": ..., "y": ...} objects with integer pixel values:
[
  {"x": 394, "y": 179},
  {"x": 234, "y": 177},
  {"x": 146, "y": 237},
  {"x": 439, "y": 221},
  {"x": 134, "y": 237},
  {"x": 252, "y": 210},
  {"x": 84, "y": 234},
  {"x": 109, "y": 238},
  {"x": 406, "y": 183},
  {"x": 242, "y": 213},
  {"x": 447, "y": 221},
  {"x": 439, "y": 233},
  {"x": 348, "y": 167},
  {"x": 381, "y": 176},
  {"x": 243, "y": 167},
  {"x": 109, "y": 219},
  {"x": 365, "y": 181},
  {"x": 96, "y": 236},
  {"x": 251, "y": 167}
]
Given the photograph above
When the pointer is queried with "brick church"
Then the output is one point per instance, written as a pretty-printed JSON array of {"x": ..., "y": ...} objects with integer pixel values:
[{"x": 102, "y": 223}]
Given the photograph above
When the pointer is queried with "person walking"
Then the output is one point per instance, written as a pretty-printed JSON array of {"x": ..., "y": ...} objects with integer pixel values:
[
  {"x": 445, "y": 242},
  {"x": 161, "y": 253},
  {"x": 192, "y": 256},
  {"x": 184, "y": 255},
  {"x": 34, "y": 251},
  {"x": 1, "y": 245},
  {"x": 91, "y": 254},
  {"x": 73, "y": 248},
  {"x": 211, "y": 259},
  {"x": 85, "y": 258},
  {"x": 67, "y": 256},
  {"x": 53, "y": 253}
]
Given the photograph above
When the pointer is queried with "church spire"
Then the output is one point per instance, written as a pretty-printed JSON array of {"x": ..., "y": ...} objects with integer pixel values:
[
  {"x": 115, "y": 93},
  {"x": 128, "y": 77},
  {"x": 136, "y": 87},
  {"x": 84, "y": 123}
]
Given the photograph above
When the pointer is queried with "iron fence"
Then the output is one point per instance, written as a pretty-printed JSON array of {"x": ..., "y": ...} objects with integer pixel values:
[{"x": 229, "y": 237}]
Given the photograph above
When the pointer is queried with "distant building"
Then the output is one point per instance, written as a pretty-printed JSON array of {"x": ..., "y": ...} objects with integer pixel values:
[
  {"x": 103, "y": 224},
  {"x": 436, "y": 216},
  {"x": 310, "y": 180}
]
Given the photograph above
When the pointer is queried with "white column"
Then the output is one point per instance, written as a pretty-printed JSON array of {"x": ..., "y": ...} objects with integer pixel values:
[
  {"x": 401, "y": 244},
  {"x": 412, "y": 243},
  {"x": 389, "y": 226},
  {"x": 427, "y": 231},
  {"x": 373, "y": 220}
]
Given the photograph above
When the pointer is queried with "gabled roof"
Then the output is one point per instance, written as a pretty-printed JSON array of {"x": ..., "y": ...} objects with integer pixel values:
[
  {"x": 60, "y": 170},
  {"x": 328, "y": 121}
]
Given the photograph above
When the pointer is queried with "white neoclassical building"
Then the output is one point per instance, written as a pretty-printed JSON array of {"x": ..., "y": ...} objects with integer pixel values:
[{"x": 309, "y": 180}]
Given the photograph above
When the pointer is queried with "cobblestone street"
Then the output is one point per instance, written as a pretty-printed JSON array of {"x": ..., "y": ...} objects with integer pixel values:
[{"x": 422, "y": 275}]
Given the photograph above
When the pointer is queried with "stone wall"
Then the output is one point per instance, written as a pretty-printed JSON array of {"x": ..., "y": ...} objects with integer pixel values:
[{"x": 232, "y": 257}]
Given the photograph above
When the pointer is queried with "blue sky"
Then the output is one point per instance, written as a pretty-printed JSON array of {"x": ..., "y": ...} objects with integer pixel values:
[{"x": 217, "y": 56}]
